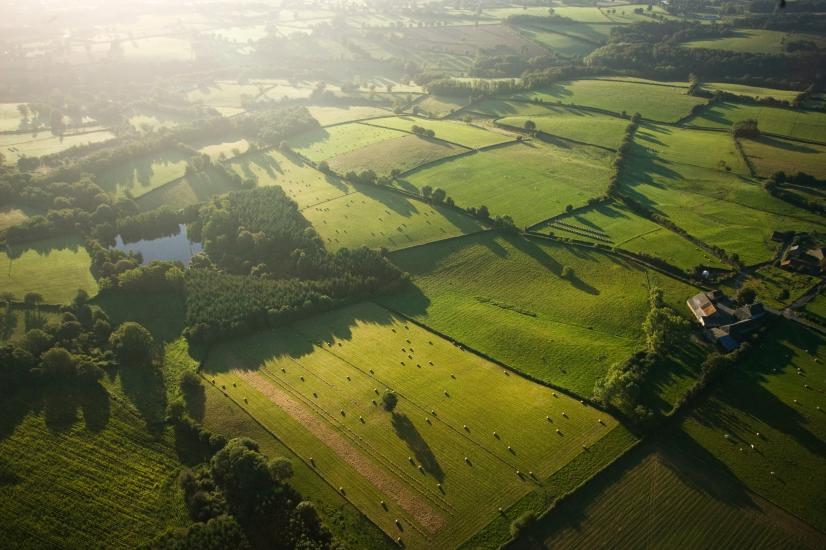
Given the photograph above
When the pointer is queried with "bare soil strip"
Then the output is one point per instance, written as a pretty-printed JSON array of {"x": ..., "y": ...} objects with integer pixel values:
[{"x": 389, "y": 485}]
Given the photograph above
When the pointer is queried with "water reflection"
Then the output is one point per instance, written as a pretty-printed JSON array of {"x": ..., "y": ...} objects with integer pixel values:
[{"x": 175, "y": 247}]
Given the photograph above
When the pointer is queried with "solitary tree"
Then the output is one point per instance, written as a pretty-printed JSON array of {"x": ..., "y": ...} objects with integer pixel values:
[
  {"x": 389, "y": 400},
  {"x": 530, "y": 125},
  {"x": 131, "y": 343},
  {"x": 745, "y": 296}
]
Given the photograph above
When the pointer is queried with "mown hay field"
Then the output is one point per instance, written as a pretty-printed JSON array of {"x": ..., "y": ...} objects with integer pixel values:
[
  {"x": 563, "y": 44},
  {"x": 719, "y": 208},
  {"x": 16, "y": 146},
  {"x": 759, "y": 41},
  {"x": 626, "y": 230},
  {"x": 777, "y": 393},
  {"x": 654, "y": 101},
  {"x": 302, "y": 182},
  {"x": 56, "y": 268},
  {"x": 509, "y": 108},
  {"x": 325, "y": 143},
  {"x": 440, "y": 106},
  {"x": 529, "y": 181},
  {"x": 143, "y": 174},
  {"x": 795, "y": 123},
  {"x": 314, "y": 384},
  {"x": 401, "y": 153},
  {"x": 676, "y": 496},
  {"x": 375, "y": 217},
  {"x": 10, "y": 119},
  {"x": 84, "y": 472},
  {"x": 448, "y": 130},
  {"x": 506, "y": 297},
  {"x": 769, "y": 155},
  {"x": 575, "y": 124}
]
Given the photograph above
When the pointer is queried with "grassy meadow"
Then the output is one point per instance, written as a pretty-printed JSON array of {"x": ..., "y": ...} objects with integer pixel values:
[
  {"x": 144, "y": 174},
  {"x": 375, "y": 217},
  {"x": 718, "y": 207},
  {"x": 769, "y": 155},
  {"x": 777, "y": 393},
  {"x": 776, "y": 287},
  {"x": 615, "y": 225},
  {"x": 754, "y": 92},
  {"x": 574, "y": 124},
  {"x": 326, "y": 143},
  {"x": 16, "y": 146},
  {"x": 55, "y": 267},
  {"x": 303, "y": 183},
  {"x": 566, "y": 331},
  {"x": 192, "y": 189},
  {"x": 666, "y": 103},
  {"x": 448, "y": 130},
  {"x": 667, "y": 145},
  {"x": 440, "y": 106},
  {"x": 529, "y": 181},
  {"x": 759, "y": 41},
  {"x": 399, "y": 153},
  {"x": 795, "y": 123},
  {"x": 313, "y": 382},
  {"x": 337, "y": 115}
]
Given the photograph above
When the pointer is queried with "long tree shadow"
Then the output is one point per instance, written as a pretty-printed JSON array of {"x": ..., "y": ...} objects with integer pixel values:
[
  {"x": 144, "y": 386},
  {"x": 421, "y": 450}
]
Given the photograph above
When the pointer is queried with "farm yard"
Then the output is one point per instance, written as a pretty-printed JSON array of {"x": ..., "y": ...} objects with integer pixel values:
[
  {"x": 558, "y": 329},
  {"x": 412, "y": 275},
  {"x": 521, "y": 180},
  {"x": 434, "y": 460}
]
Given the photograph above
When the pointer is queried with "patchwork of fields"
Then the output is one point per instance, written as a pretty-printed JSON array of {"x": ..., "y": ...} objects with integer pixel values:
[
  {"x": 793, "y": 123},
  {"x": 17, "y": 146},
  {"x": 457, "y": 447},
  {"x": 574, "y": 124}
]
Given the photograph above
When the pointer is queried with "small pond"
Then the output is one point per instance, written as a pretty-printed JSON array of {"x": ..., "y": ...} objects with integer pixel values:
[{"x": 175, "y": 247}]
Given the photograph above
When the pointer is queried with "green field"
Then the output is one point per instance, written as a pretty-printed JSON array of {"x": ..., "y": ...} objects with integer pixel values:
[
  {"x": 16, "y": 146},
  {"x": 754, "y": 92},
  {"x": 401, "y": 153},
  {"x": 102, "y": 481},
  {"x": 192, "y": 189},
  {"x": 667, "y": 145},
  {"x": 718, "y": 207},
  {"x": 10, "y": 119},
  {"x": 507, "y": 298},
  {"x": 303, "y": 183},
  {"x": 313, "y": 382},
  {"x": 752, "y": 41},
  {"x": 769, "y": 395},
  {"x": 440, "y": 106},
  {"x": 677, "y": 497},
  {"x": 506, "y": 108},
  {"x": 326, "y": 143},
  {"x": 376, "y": 217},
  {"x": 336, "y": 115},
  {"x": 151, "y": 120},
  {"x": 616, "y": 226},
  {"x": 563, "y": 44},
  {"x": 529, "y": 181},
  {"x": 448, "y": 130},
  {"x": 226, "y": 94},
  {"x": 56, "y": 268},
  {"x": 665, "y": 103},
  {"x": 774, "y": 120},
  {"x": 768, "y": 155},
  {"x": 141, "y": 175},
  {"x": 223, "y": 148},
  {"x": 577, "y": 125},
  {"x": 817, "y": 306}
]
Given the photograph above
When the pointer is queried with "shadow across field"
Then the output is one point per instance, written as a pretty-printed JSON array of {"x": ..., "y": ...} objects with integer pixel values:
[{"x": 408, "y": 433}]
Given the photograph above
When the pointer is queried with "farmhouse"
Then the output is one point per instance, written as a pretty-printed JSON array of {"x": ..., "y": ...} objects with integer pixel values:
[
  {"x": 804, "y": 260},
  {"x": 722, "y": 320}
]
